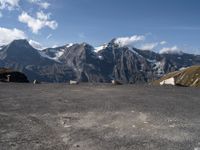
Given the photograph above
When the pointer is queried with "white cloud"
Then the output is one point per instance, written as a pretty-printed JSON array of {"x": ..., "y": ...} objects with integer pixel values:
[
  {"x": 149, "y": 46},
  {"x": 1, "y": 15},
  {"x": 42, "y": 16},
  {"x": 54, "y": 46},
  {"x": 163, "y": 42},
  {"x": 36, "y": 44},
  {"x": 129, "y": 41},
  {"x": 49, "y": 36},
  {"x": 44, "y": 5},
  {"x": 170, "y": 50},
  {"x": 9, "y": 4},
  {"x": 36, "y": 24},
  {"x": 8, "y": 35}
]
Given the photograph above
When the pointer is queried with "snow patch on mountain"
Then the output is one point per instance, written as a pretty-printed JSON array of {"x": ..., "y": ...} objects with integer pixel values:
[
  {"x": 69, "y": 45},
  {"x": 136, "y": 53},
  {"x": 1, "y": 47},
  {"x": 100, "y": 57},
  {"x": 97, "y": 49},
  {"x": 36, "y": 45},
  {"x": 58, "y": 52},
  {"x": 152, "y": 61},
  {"x": 159, "y": 67},
  {"x": 46, "y": 56}
]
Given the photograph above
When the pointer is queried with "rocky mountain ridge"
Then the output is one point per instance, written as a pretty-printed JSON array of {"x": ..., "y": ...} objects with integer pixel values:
[{"x": 84, "y": 63}]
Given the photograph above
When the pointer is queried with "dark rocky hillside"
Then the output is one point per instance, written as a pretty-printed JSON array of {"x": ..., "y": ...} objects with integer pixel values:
[{"x": 8, "y": 75}]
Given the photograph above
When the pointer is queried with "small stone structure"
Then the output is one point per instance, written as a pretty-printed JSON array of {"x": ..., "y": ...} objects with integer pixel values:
[
  {"x": 8, "y": 78},
  {"x": 115, "y": 82},
  {"x": 170, "y": 81},
  {"x": 72, "y": 82},
  {"x": 36, "y": 82}
]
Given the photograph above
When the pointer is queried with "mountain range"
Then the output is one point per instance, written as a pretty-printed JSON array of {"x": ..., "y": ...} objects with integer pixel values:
[{"x": 85, "y": 63}]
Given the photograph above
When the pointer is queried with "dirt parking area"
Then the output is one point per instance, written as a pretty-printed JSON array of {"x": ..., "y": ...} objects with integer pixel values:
[{"x": 98, "y": 117}]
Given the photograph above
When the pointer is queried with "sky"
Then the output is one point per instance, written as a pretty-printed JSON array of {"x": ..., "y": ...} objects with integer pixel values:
[{"x": 158, "y": 25}]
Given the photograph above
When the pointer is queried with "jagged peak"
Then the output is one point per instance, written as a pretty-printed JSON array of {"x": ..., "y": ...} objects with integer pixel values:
[{"x": 85, "y": 44}]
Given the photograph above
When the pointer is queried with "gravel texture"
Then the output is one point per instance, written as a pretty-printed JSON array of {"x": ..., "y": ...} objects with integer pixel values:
[{"x": 98, "y": 117}]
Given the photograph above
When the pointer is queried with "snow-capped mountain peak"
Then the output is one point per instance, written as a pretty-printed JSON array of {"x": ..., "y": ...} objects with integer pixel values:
[
  {"x": 1, "y": 47},
  {"x": 69, "y": 45},
  {"x": 86, "y": 63}
]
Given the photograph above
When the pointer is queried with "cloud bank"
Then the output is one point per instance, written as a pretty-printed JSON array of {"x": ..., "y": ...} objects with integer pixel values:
[
  {"x": 170, "y": 50},
  {"x": 41, "y": 4},
  {"x": 40, "y": 21},
  {"x": 149, "y": 46},
  {"x": 140, "y": 42},
  {"x": 9, "y": 4},
  {"x": 8, "y": 35},
  {"x": 129, "y": 41}
]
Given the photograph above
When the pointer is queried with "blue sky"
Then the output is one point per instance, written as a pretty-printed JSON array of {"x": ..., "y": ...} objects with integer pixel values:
[{"x": 164, "y": 24}]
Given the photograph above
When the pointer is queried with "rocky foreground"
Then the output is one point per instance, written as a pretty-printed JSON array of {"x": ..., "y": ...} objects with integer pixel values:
[{"x": 98, "y": 117}]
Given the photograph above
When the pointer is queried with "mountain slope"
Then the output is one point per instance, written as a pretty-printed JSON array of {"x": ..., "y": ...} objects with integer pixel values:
[
  {"x": 20, "y": 51},
  {"x": 20, "y": 55},
  {"x": 186, "y": 77},
  {"x": 123, "y": 64},
  {"x": 84, "y": 61}
]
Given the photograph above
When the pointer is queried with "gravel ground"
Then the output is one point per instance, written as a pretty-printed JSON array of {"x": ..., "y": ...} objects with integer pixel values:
[{"x": 98, "y": 117}]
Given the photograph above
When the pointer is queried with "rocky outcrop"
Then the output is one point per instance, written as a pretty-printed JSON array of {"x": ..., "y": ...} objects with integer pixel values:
[{"x": 8, "y": 75}]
